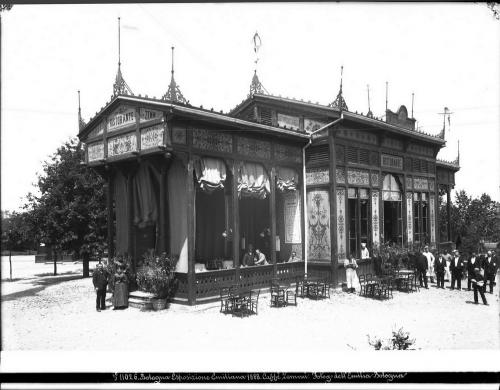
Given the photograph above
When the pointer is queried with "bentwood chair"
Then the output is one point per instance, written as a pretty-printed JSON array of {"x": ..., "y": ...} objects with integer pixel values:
[
  {"x": 277, "y": 296},
  {"x": 254, "y": 303},
  {"x": 362, "y": 284},
  {"x": 226, "y": 301},
  {"x": 301, "y": 286}
]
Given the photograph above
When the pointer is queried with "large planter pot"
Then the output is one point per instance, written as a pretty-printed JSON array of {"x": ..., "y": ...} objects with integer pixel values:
[{"x": 158, "y": 303}]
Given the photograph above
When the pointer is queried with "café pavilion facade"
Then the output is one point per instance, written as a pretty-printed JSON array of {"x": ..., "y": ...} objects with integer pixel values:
[{"x": 279, "y": 174}]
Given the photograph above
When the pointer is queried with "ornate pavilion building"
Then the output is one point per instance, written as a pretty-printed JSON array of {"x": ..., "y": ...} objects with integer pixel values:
[{"x": 276, "y": 173}]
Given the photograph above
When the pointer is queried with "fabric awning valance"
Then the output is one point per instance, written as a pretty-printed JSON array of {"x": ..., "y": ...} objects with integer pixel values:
[
  {"x": 253, "y": 181},
  {"x": 287, "y": 179},
  {"x": 210, "y": 173}
]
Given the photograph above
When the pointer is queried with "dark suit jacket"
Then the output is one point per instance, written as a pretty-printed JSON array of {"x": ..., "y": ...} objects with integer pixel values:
[
  {"x": 100, "y": 279},
  {"x": 421, "y": 264},
  {"x": 490, "y": 268},
  {"x": 459, "y": 267},
  {"x": 470, "y": 266},
  {"x": 439, "y": 265}
]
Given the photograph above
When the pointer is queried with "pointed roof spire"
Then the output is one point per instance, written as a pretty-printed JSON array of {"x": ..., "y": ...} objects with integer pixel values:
[
  {"x": 173, "y": 92},
  {"x": 339, "y": 101},
  {"x": 120, "y": 87},
  {"x": 369, "y": 113},
  {"x": 457, "y": 160},
  {"x": 256, "y": 86},
  {"x": 81, "y": 122}
]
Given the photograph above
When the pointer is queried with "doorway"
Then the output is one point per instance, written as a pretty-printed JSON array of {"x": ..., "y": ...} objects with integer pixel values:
[{"x": 392, "y": 222}]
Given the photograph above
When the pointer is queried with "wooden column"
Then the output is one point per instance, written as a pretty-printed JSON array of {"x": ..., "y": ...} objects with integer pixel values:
[
  {"x": 333, "y": 211},
  {"x": 272, "y": 214},
  {"x": 448, "y": 212},
  {"x": 236, "y": 220},
  {"x": 163, "y": 217},
  {"x": 404, "y": 212},
  {"x": 130, "y": 206},
  {"x": 190, "y": 193},
  {"x": 109, "y": 209}
]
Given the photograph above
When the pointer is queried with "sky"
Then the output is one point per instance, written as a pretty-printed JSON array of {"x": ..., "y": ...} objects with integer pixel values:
[{"x": 446, "y": 54}]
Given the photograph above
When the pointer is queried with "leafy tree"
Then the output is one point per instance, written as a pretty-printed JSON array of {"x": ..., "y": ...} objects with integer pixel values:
[
  {"x": 70, "y": 212},
  {"x": 472, "y": 220}
]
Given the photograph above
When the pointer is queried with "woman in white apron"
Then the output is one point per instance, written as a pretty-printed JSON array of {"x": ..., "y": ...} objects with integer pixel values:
[{"x": 351, "y": 276}]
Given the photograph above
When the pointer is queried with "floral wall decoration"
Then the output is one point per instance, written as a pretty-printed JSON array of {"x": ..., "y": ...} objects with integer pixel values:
[{"x": 318, "y": 224}]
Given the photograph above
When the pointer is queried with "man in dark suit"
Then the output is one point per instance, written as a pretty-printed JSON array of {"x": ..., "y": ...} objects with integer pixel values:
[
  {"x": 490, "y": 270},
  {"x": 422, "y": 265},
  {"x": 478, "y": 283},
  {"x": 472, "y": 263},
  {"x": 456, "y": 269},
  {"x": 100, "y": 281},
  {"x": 439, "y": 268}
]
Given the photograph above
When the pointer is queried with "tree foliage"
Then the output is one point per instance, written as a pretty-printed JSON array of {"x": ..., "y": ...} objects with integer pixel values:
[
  {"x": 472, "y": 220},
  {"x": 15, "y": 232},
  {"x": 70, "y": 212}
]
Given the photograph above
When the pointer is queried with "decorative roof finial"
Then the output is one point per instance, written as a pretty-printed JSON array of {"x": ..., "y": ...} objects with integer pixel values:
[
  {"x": 370, "y": 113},
  {"x": 173, "y": 93},
  {"x": 339, "y": 101},
  {"x": 412, "y": 100},
  {"x": 81, "y": 122},
  {"x": 120, "y": 87},
  {"x": 457, "y": 160},
  {"x": 256, "y": 86}
]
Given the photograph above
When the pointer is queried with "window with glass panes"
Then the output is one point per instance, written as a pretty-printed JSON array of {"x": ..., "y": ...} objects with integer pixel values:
[
  {"x": 420, "y": 217},
  {"x": 358, "y": 218}
]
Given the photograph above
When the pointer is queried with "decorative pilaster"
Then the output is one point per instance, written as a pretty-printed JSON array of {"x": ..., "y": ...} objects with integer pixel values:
[
  {"x": 272, "y": 209},
  {"x": 191, "y": 277},
  {"x": 409, "y": 218},
  {"x": 375, "y": 218},
  {"x": 432, "y": 217},
  {"x": 341, "y": 223},
  {"x": 236, "y": 219}
]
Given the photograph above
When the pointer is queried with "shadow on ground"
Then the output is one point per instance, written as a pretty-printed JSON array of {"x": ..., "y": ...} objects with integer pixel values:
[{"x": 42, "y": 283}]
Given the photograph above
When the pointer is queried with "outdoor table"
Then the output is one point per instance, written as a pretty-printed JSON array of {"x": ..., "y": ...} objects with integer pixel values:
[{"x": 240, "y": 301}]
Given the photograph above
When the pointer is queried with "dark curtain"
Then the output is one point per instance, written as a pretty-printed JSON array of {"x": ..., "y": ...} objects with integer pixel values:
[
  {"x": 121, "y": 212},
  {"x": 177, "y": 206},
  {"x": 146, "y": 188},
  {"x": 210, "y": 224},
  {"x": 254, "y": 219}
]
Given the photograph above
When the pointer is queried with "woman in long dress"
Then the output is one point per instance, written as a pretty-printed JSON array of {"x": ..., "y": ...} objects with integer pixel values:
[{"x": 120, "y": 289}]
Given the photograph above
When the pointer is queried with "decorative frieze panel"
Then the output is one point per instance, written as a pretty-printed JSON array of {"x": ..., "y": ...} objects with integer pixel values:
[
  {"x": 179, "y": 135},
  {"x": 362, "y": 136},
  {"x": 122, "y": 144},
  {"x": 392, "y": 143},
  {"x": 253, "y": 147},
  {"x": 317, "y": 176},
  {"x": 375, "y": 179},
  {"x": 318, "y": 225},
  {"x": 409, "y": 217},
  {"x": 340, "y": 175},
  {"x": 432, "y": 212},
  {"x": 212, "y": 140},
  {"x": 375, "y": 219},
  {"x": 152, "y": 136},
  {"x": 388, "y": 161},
  {"x": 311, "y": 125},
  {"x": 95, "y": 151},
  {"x": 291, "y": 122},
  {"x": 147, "y": 115},
  {"x": 358, "y": 177},
  {"x": 341, "y": 221},
  {"x": 287, "y": 153},
  {"x": 98, "y": 130},
  {"x": 120, "y": 118},
  {"x": 420, "y": 183},
  {"x": 409, "y": 183},
  {"x": 432, "y": 186}
]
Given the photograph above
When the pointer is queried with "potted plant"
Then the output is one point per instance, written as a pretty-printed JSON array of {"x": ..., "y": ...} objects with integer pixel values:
[{"x": 157, "y": 276}]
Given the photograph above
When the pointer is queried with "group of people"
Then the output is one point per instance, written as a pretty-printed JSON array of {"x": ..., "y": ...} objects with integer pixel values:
[
  {"x": 480, "y": 270},
  {"x": 119, "y": 287},
  {"x": 256, "y": 257}
]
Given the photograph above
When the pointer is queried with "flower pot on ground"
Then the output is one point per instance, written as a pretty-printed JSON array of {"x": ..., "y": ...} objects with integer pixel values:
[{"x": 157, "y": 276}]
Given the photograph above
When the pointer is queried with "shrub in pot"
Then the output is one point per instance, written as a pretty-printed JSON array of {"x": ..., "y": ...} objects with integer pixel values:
[{"x": 157, "y": 276}]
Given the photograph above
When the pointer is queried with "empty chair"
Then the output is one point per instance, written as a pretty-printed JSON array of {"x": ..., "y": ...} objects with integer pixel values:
[
  {"x": 254, "y": 302},
  {"x": 226, "y": 301},
  {"x": 362, "y": 284}
]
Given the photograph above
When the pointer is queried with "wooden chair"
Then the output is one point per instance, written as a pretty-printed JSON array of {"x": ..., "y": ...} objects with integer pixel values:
[
  {"x": 277, "y": 296},
  {"x": 301, "y": 286},
  {"x": 370, "y": 285},
  {"x": 362, "y": 284},
  {"x": 254, "y": 303},
  {"x": 226, "y": 301},
  {"x": 291, "y": 297}
]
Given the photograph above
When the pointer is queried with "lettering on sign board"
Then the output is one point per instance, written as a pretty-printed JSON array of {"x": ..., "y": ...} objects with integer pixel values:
[
  {"x": 311, "y": 125},
  {"x": 291, "y": 122},
  {"x": 95, "y": 151},
  {"x": 152, "y": 136},
  {"x": 123, "y": 144},
  {"x": 123, "y": 117},
  {"x": 292, "y": 213},
  {"x": 147, "y": 115},
  {"x": 389, "y": 161}
]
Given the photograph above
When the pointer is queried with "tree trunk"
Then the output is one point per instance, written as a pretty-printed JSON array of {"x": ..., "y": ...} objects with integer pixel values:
[
  {"x": 10, "y": 264},
  {"x": 85, "y": 258},
  {"x": 55, "y": 262}
]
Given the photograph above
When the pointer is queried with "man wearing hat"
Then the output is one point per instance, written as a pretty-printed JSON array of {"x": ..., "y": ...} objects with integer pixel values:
[
  {"x": 100, "y": 280},
  {"x": 365, "y": 253},
  {"x": 456, "y": 268},
  {"x": 490, "y": 270},
  {"x": 473, "y": 263},
  {"x": 478, "y": 282}
]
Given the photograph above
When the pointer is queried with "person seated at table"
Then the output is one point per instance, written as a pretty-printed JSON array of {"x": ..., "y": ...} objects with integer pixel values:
[
  {"x": 260, "y": 258},
  {"x": 293, "y": 257},
  {"x": 351, "y": 277},
  {"x": 365, "y": 254},
  {"x": 249, "y": 257}
]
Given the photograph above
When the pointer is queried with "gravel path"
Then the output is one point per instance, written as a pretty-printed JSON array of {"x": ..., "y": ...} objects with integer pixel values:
[{"x": 62, "y": 316}]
